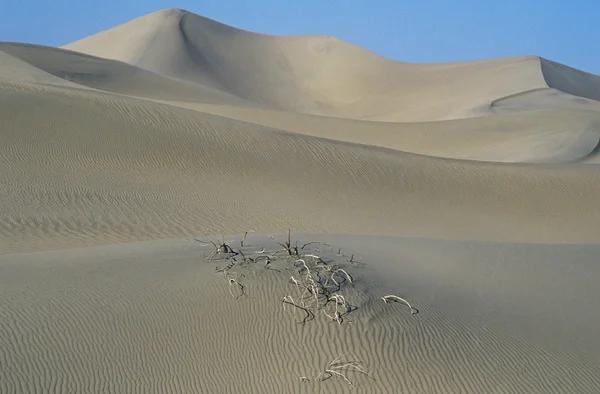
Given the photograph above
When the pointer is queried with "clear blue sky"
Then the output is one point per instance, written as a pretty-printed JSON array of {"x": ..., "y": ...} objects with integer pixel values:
[{"x": 421, "y": 31}]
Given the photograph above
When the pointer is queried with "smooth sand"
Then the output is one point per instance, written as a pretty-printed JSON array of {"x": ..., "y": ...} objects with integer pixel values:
[{"x": 469, "y": 188}]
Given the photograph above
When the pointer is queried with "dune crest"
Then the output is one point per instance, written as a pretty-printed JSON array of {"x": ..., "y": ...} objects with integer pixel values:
[{"x": 314, "y": 74}]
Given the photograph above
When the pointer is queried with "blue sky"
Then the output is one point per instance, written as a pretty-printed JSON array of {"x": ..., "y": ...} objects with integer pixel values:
[{"x": 421, "y": 31}]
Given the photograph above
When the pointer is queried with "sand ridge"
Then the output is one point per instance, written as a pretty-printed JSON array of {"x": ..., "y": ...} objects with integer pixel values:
[
  {"x": 107, "y": 168},
  {"x": 317, "y": 74},
  {"x": 523, "y": 134}
]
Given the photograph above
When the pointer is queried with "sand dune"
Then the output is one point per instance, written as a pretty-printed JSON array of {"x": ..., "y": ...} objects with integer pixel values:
[
  {"x": 75, "y": 321},
  {"x": 90, "y": 168},
  {"x": 66, "y": 68},
  {"x": 468, "y": 188},
  {"x": 570, "y": 80},
  {"x": 537, "y": 136},
  {"x": 315, "y": 74},
  {"x": 524, "y": 136},
  {"x": 14, "y": 69}
]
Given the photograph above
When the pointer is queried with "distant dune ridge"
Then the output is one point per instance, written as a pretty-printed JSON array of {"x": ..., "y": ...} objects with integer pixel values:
[
  {"x": 321, "y": 74},
  {"x": 468, "y": 188}
]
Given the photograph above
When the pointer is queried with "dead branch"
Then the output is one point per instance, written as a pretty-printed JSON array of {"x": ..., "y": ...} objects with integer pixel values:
[
  {"x": 220, "y": 248},
  {"x": 341, "y": 368},
  {"x": 395, "y": 298},
  {"x": 341, "y": 308},
  {"x": 292, "y": 250},
  {"x": 315, "y": 243},
  {"x": 227, "y": 267},
  {"x": 309, "y": 315},
  {"x": 231, "y": 283},
  {"x": 244, "y": 237},
  {"x": 247, "y": 260}
]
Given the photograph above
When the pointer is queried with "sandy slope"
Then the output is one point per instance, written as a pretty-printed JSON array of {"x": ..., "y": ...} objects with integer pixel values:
[
  {"x": 520, "y": 135},
  {"x": 87, "y": 168},
  {"x": 570, "y": 80},
  {"x": 542, "y": 135},
  {"x": 66, "y": 68},
  {"x": 314, "y": 74},
  {"x": 469, "y": 188},
  {"x": 154, "y": 317}
]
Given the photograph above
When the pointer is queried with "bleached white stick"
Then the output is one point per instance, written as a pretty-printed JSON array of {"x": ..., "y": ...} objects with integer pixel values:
[{"x": 395, "y": 297}]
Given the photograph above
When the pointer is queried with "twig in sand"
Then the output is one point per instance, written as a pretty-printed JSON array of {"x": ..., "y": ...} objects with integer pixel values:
[
  {"x": 395, "y": 298},
  {"x": 247, "y": 260},
  {"x": 244, "y": 237},
  {"x": 337, "y": 283},
  {"x": 340, "y": 368},
  {"x": 303, "y": 265},
  {"x": 227, "y": 267},
  {"x": 341, "y": 308},
  {"x": 296, "y": 282},
  {"x": 315, "y": 243},
  {"x": 309, "y": 315},
  {"x": 317, "y": 258},
  {"x": 231, "y": 283},
  {"x": 345, "y": 273},
  {"x": 266, "y": 258},
  {"x": 312, "y": 287},
  {"x": 220, "y": 248},
  {"x": 289, "y": 300},
  {"x": 287, "y": 246}
]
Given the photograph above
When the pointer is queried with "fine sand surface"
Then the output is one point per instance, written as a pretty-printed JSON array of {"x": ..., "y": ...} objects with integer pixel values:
[
  {"x": 156, "y": 317},
  {"x": 470, "y": 189}
]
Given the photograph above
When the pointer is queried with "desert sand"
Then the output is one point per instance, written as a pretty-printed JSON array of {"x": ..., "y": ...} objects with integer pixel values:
[{"x": 468, "y": 189}]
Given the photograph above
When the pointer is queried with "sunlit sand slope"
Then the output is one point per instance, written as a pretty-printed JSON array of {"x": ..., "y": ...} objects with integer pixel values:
[
  {"x": 86, "y": 167},
  {"x": 61, "y": 67},
  {"x": 537, "y": 126},
  {"x": 320, "y": 74}
]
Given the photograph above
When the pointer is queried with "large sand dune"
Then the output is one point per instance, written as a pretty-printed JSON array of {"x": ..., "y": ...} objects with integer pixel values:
[
  {"x": 320, "y": 74},
  {"x": 468, "y": 188}
]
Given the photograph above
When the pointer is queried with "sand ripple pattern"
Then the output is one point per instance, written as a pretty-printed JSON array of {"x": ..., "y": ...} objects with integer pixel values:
[
  {"x": 154, "y": 317},
  {"x": 86, "y": 168}
]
